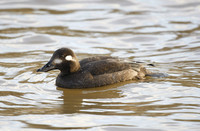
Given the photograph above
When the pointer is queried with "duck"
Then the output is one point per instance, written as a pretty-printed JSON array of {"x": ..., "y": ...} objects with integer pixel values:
[{"x": 91, "y": 72}]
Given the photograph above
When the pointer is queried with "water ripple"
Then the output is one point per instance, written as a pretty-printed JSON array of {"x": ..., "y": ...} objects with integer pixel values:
[{"x": 165, "y": 33}]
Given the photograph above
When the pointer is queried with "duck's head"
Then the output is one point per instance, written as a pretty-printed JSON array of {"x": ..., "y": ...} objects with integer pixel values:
[{"x": 63, "y": 59}]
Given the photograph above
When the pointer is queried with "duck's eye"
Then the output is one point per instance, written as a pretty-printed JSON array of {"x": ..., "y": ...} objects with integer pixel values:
[{"x": 63, "y": 56}]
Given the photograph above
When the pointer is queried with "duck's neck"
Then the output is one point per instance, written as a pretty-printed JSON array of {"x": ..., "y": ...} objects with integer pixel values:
[
  {"x": 74, "y": 66},
  {"x": 71, "y": 68}
]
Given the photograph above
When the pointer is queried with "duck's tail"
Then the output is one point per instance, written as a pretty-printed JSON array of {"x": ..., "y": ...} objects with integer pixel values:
[
  {"x": 157, "y": 74},
  {"x": 153, "y": 74}
]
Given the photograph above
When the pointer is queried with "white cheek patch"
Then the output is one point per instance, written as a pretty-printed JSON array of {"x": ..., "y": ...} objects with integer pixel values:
[
  {"x": 57, "y": 61},
  {"x": 69, "y": 58}
]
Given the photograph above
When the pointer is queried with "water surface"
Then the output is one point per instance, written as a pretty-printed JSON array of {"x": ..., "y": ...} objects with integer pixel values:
[{"x": 166, "y": 33}]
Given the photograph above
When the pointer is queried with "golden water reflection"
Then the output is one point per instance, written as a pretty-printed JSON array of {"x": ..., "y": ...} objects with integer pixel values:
[{"x": 165, "y": 33}]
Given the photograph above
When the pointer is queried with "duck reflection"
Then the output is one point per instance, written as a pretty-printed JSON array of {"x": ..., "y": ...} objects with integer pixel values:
[
  {"x": 81, "y": 100},
  {"x": 110, "y": 100}
]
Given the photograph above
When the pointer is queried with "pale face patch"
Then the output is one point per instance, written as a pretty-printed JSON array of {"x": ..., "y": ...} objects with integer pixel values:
[
  {"x": 69, "y": 58},
  {"x": 57, "y": 61}
]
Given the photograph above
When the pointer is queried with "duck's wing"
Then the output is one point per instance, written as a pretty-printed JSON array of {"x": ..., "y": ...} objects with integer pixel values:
[
  {"x": 96, "y": 58},
  {"x": 105, "y": 66}
]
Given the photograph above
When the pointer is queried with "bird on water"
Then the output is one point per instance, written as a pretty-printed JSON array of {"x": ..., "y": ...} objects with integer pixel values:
[{"x": 93, "y": 71}]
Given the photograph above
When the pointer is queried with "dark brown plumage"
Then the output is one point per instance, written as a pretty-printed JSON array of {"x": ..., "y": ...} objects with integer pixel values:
[{"x": 93, "y": 71}]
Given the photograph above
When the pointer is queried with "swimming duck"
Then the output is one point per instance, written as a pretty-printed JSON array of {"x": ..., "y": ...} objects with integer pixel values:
[{"x": 93, "y": 71}]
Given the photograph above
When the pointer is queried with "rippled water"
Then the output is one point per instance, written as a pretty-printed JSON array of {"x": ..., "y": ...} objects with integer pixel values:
[{"x": 166, "y": 33}]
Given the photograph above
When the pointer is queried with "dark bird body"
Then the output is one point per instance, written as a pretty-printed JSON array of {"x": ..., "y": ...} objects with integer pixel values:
[{"x": 93, "y": 71}]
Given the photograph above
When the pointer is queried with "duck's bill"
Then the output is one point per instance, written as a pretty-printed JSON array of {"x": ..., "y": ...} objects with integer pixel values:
[{"x": 46, "y": 67}]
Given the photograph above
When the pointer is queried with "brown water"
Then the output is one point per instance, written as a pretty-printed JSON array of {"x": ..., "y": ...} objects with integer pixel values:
[{"x": 163, "y": 32}]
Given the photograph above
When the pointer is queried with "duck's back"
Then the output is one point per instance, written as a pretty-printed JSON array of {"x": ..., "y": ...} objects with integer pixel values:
[
  {"x": 100, "y": 71},
  {"x": 103, "y": 65}
]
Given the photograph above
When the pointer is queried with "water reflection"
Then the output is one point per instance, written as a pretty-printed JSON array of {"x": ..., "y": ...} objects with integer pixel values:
[
  {"x": 99, "y": 101},
  {"x": 165, "y": 33},
  {"x": 78, "y": 100}
]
